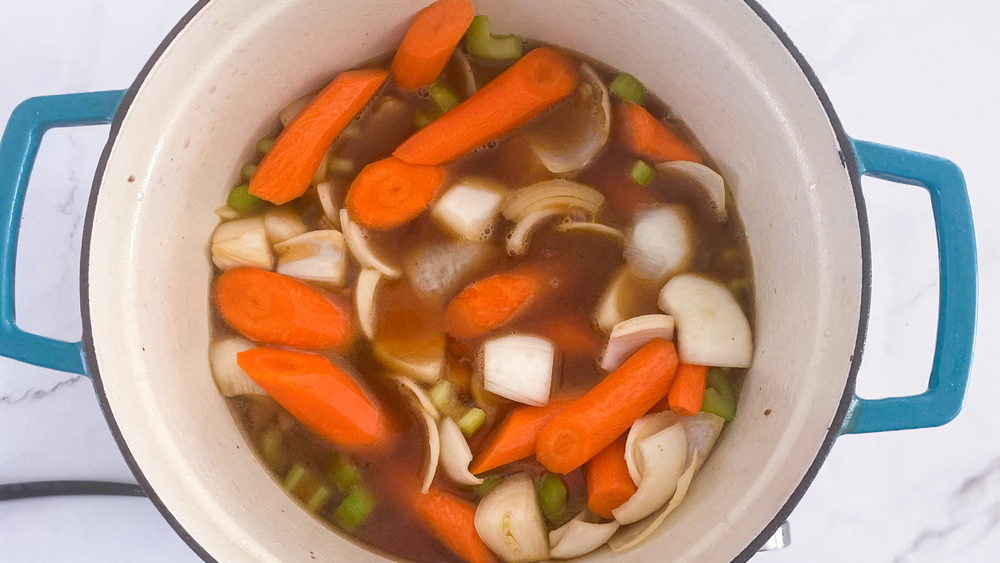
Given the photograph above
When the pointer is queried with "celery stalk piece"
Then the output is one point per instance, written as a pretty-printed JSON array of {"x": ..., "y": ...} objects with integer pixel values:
[{"x": 482, "y": 45}]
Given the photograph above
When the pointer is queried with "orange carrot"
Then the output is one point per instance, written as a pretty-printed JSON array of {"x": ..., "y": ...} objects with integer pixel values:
[
  {"x": 320, "y": 395},
  {"x": 572, "y": 336},
  {"x": 644, "y": 135},
  {"x": 540, "y": 79},
  {"x": 430, "y": 41},
  {"x": 515, "y": 438},
  {"x": 276, "y": 309},
  {"x": 286, "y": 169},
  {"x": 389, "y": 192},
  {"x": 491, "y": 302},
  {"x": 452, "y": 521},
  {"x": 592, "y": 422},
  {"x": 608, "y": 481},
  {"x": 688, "y": 389}
]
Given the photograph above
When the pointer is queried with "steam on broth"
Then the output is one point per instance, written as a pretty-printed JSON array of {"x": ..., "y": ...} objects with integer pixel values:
[{"x": 494, "y": 303}]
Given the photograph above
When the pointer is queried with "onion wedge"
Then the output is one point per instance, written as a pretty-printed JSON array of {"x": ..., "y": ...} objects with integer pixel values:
[
  {"x": 630, "y": 335},
  {"x": 712, "y": 329},
  {"x": 626, "y": 296},
  {"x": 702, "y": 176},
  {"x": 518, "y": 238},
  {"x": 282, "y": 223},
  {"x": 419, "y": 394},
  {"x": 357, "y": 242},
  {"x": 319, "y": 256},
  {"x": 456, "y": 454},
  {"x": 463, "y": 68},
  {"x": 599, "y": 229},
  {"x": 551, "y": 194},
  {"x": 364, "y": 300},
  {"x": 663, "y": 458},
  {"x": 242, "y": 242},
  {"x": 229, "y": 377},
  {"x": 519, "y": 367},
  {"x": 439, "y": 269},
  {"x": 510, "y": 522},
  {"x": 324, "y": 191},
  {"x": 579, "y": 537},
  {"x": 421, "y": 359},
  {"x": 562, "y": 160},
  {"x": 419, "y": 400},
  {"x": 661, "y": 243},
  {"x": 469, "y": 207}
]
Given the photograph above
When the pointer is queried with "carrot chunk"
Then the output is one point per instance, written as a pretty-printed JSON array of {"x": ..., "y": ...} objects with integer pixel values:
[
  {"x": 688, "y": 389},
  {"x": 609, "y": 484},
  {"x": 515, "y": 438},
  {"x": 491, "y": 302},
  {"x": 430, "y": 41},
  {"x": 644, "y": 135},
  {"x": 452, "y": 520},
  {"x": 389, "y": 192}
]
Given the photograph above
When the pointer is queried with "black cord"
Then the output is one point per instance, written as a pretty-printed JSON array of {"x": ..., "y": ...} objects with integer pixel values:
[{"x": 32, "y": 489}]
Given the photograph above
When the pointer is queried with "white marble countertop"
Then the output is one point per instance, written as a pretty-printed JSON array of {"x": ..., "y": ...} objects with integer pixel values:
[{"x": 919, "y": 74}]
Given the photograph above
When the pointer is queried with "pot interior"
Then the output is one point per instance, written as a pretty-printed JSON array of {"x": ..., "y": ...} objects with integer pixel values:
[{"x": 219, "y": 85}]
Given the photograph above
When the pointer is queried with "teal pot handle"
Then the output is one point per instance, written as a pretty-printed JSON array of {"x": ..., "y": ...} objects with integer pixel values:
[
  {"x": 956, "y": 240},
  {"x": 18, "y": 149}
]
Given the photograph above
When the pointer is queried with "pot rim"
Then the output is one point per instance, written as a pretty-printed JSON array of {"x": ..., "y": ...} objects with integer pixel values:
[{"x": 847, "y": 158}]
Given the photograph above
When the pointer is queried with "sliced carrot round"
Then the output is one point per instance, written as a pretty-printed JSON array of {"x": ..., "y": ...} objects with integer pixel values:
[{"x": 389, "y": 192}]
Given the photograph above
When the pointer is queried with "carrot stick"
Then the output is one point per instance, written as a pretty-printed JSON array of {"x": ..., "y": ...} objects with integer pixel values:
[
  {"x": 276, "y": 309},
  {"x": 491, "y": 302},
  {"x": 644, "y": 135},
  {"x": 286, "y": 170},
  {"x": 320, "y": 395},
  {"x": 688, "y": 389},
  {"x": 452, "y": 521},
  {"x": 593, "y": 421},
  {"x": 430, "y": 41},
  {"x": 572, "y": 336},
  {"x": 540, "y": 79},
  {"x": 389, "y": 192},
  {"x": 608, "y": 481},
  {"x": 515, "y": 438}
]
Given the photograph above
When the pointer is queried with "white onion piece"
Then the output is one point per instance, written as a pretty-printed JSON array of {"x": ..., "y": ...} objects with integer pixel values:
[
  {"x": 510, "y": 522},
  {"x": 227, "y": 213},
  {"x": 319, "y": 256},
  {"x": 558, "y": 193},
  {"x": 578, "y": 537},
  {"x": 641, "y": 429},
  {"x": 422, "y": 360},
  {"x": 661, "y": 243},
  {"x": 282, "y": 223},
  {"x": 519, "y": 367},
  {"x": 517, "y": 240},
  {"x": 418, "y": 393},
  {"x": 324, "y": 190},
  {"x": 433, "y": 450},
  {"x": 438, "y": 269},
  {"x": 625, "y": 297},
  {"x": 663, "y": 457},
  {"x": 465, "y": 70},
  {"x": 469, "y": 208},
  {"x": 704, "y": 177},
  {"x": 364, "y": 300},
  {"x": 287, "y": 113},
  {"x": 456, "y": 454},
  {"x": 229, "y": 376},
  {"x": 242, "y": 242},
  {"x": 320, "y": 176},
  {"x": 592, "y": 228},
  {"x": 712, "y": 329},
  {"x": 630, "y": 335},
  {"x": 556, "y": 157},
  {"x": 357, "y": 242}
]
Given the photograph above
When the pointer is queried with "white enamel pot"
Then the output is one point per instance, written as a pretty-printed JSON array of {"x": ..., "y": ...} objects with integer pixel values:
[{"x": 181, "y": 131}]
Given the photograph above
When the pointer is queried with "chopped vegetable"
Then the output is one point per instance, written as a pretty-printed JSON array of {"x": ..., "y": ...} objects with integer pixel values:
[
  {"x": 417, "y": 392},
  {"x": 558, "y": 193},
  {"x": 630, "y": 335},
  {"x": 519, "y": 367},
  {"x": 443, "y": 396},
  {"x": 355, "y": 508},
  {"x": 640, "y": 430},
  {"x": 578, "y": 537},
  {"x": 357, "y": 242},
  {"x": 517, "y": 239},
  {"x": 626, "y": 296},
  {"x": 572, "y": 336},
  {"x": 515, "y": 438},
  {"x": 270, "y": 448},
  {"x": 242, "y": 242},
  {"x": 246, "y": 172},
  {"x": 554, "y": 152},
  {"x": 663, "y": 457},
  {"x": 288, "y": 168},
  {"x": 628, "y": 88},
  {"x": 712, "y": 329},
  {"x": 687, "y": 390},
  {"x": 442, "y": 96},
  {"x": 276, "y": 309},
  {"x": 633, "y": 534},
  {"x": 318, "y": 499},
  {"x": 227, "y": 213},
  {"x": 592, "y": 228},
  {"x": 592, "y": 422},
  {"x": 642, "y": 173},
  {"x": 288, "y": 113},
  {"x": 452, "y": 520},
  {"x": 339, "y": 166},
  {"x": 469, "y": 207},
  {"x": 661, "y": 243},
  {"x": 389, "y": 192},
  {"x": 282, "y": 223},
  {"x": 364, "y": 300},
  {"x": 429, "y": 42},
  {"x": 439, "y": 268},
  {"x": 319, "y": 256},
  {"x": 609, "y": 484},
  {"x": 344, "y": 474},
  {"x": 463, "y": 73},
  {"x": 325, "y": 193},
  {"x": 491, "y": 302},
  {"x": 510, "y": 523},
  {"x": 421, "y": 359},
  {"x": 455, "y": 454},
  {"x": 644, "y": 136},
  {"x": 552, "y": 496},
  {"x": 230, "y": 379},
  {"x": 292, "y": 478},
  {"x": 704, "y": 177},
  {"x": 489, "y": 483},
  {"x": 472, "y": 420},
  {"x": 320, "y": 395},
  {"x": 265, "y": 144},
  {"x": 543, "y": 77},
  {"x": 482, "y": 45},
  {"x": 423, "y": 118},
  {"x": 720, "y": 395}
]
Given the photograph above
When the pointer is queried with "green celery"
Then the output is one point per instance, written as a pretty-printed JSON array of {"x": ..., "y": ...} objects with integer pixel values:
[
  {"x": 628, "y": 88},
  {"x": 482, "y": 45}
]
